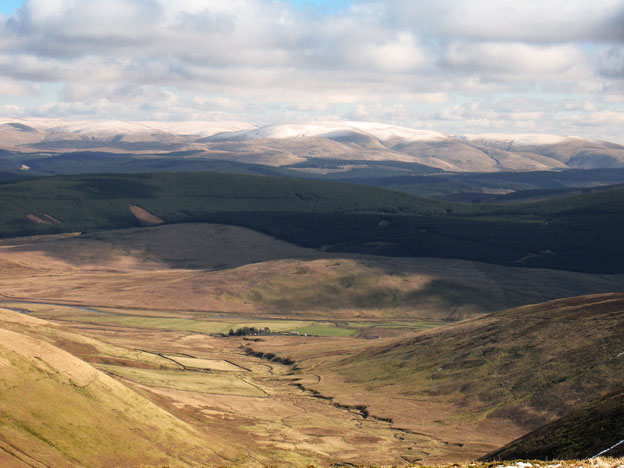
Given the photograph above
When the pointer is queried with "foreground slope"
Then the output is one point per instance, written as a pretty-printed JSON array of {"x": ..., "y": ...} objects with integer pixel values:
[
  {"x": 57, "y": 410},
  {"x": 596, "y": 428}
]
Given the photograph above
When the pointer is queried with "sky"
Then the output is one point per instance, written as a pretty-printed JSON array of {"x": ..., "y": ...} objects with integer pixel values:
[{"x": 456, "y": 66}]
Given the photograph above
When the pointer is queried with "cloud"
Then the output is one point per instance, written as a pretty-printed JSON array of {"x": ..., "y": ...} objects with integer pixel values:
[
  {"x": 10, "y": 87},
  {"x": 531, "y": 21},
  {"x": 514, "y": 58},
  {"x": 422, "y": 63}
]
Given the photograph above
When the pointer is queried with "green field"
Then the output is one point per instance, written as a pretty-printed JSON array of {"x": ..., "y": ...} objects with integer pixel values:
[
  {"x": 208, "y": 327},
  {"x": 206, "y": 364},
  {"x": 326, "y": 330},
  {"x": 219, "y": 383},
  {"x": 217, "y": 327}
]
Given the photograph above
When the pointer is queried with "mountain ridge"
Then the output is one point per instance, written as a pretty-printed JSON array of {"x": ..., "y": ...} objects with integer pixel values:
[{"x": 282, "y": 145}]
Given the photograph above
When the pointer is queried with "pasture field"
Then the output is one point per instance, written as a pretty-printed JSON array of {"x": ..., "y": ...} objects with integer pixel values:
[
  {"x": 208, "y": 324},
  {"x": 326, "y": 330},
  {"x": 204, "y": 364},
  {"x": 221, "y": 382}
]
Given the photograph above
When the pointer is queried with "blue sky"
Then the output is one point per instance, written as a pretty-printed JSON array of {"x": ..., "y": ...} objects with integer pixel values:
[
  {"x": 457, "y": 66},
  {"x": 324, "y": 5},
  {"x": 9, "y": 6}
]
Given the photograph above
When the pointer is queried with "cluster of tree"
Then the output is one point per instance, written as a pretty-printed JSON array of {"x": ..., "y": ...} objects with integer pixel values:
[{"x": 245, "y": 331}]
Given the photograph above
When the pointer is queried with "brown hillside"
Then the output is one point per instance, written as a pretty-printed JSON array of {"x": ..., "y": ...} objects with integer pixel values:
[
  {"x": 480, "y": 383},
  {"x": 56, "y": 410},
  {"x": 204, "y": 267}
]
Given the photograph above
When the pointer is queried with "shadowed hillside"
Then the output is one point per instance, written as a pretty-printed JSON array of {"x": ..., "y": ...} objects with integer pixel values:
[
  {"x": 578, "y": 233},
  {"x": 596, "y": 428}
]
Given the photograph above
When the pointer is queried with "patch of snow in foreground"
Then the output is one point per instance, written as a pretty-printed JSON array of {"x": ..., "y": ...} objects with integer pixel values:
[{"x": 516, "y": 465}]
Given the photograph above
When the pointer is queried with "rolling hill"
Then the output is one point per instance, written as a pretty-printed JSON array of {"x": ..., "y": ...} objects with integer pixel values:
[
  {"x": 578, "y": 233},
  {"x": 497, "y": 187},
  {"x": 215, "y": 268},
  {"x": 534, "y": 352}
]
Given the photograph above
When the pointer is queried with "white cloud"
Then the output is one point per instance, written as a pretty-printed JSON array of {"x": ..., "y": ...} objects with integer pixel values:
[
  {"x": 397, "y": 55},
  {"x": 9, "y": 87},
  {"x": 512, "y": 20},
  {"x": 493, "y": 63},
  {"x": 517, "y": 58}
]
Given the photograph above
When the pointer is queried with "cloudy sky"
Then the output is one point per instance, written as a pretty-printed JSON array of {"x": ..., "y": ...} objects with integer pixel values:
[{"x": 458, "y": 66}]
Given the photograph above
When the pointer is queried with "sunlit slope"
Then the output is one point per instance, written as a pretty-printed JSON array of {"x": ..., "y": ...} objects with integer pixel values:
[
  {"x": 195, "y": 246},
  {"x": 596, "y": 428},
  {"x": 56, "y": 410},
  {"x": 478, "y": 384},
  {"x": 527, "y": 364}
]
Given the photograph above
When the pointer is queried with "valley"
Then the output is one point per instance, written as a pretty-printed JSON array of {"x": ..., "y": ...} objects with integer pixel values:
[{"x": 368, "y": 359}]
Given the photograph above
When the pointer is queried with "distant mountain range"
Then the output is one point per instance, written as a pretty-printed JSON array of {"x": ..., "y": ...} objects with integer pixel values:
[{"x": 316, "y": 147}]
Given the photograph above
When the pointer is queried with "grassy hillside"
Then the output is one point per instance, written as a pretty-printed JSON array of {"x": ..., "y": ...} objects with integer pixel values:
[
  {"x": 479, "y": 383},
  {"x": 574, "y": 233},
  {"x": 101, "y": 162},
  {"x": 210, "y": 268},
  {"x": 56, "y": 410},
  {"x": 588, "y": 431},
  {"x": 523, "y": 363}
]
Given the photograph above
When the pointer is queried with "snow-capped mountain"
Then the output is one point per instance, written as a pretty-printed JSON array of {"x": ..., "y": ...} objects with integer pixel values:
[
  {"x": 297, "y": 143},
  {"x": 333, "y": 130}
]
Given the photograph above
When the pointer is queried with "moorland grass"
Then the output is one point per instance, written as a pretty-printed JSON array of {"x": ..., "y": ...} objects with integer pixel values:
[{"x": 220, "y": 383}]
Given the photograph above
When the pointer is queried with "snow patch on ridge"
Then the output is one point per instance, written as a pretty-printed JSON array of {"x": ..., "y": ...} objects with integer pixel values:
[
  {"x": 520, "y": 139},
  {"x": 333, "y": 129},
  {"x": 199, "y": 127},
  {"x": 117, "y": 127}
]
